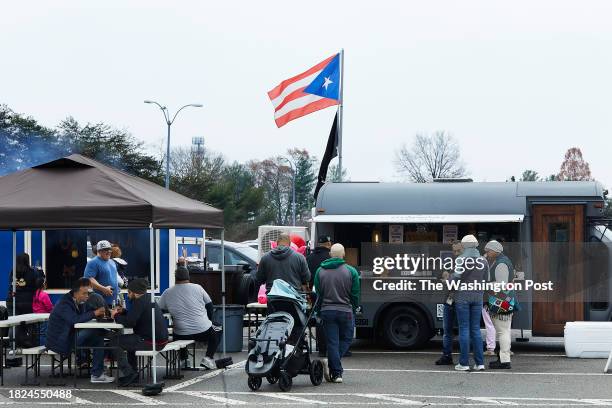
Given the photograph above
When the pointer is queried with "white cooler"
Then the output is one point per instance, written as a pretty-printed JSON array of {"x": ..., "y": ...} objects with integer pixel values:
[{"x": 588, "y": 339}]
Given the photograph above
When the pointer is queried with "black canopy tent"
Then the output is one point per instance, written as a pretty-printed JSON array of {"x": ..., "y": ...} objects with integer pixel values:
[{"x": 76, "y": 192}]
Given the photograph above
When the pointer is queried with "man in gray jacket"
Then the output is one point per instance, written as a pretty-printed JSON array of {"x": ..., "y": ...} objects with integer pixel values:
[{"x": 283, "y": 263}]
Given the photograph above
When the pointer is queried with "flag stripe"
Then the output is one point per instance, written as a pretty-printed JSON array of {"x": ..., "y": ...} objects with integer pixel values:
[
  {"x": 274, "y": 93},
  {"x": 322, "y": 103},
  {"x": 297, "y": 104},
  {"x": 301, "y": 84},
  {"x": 298, "y": 93}
]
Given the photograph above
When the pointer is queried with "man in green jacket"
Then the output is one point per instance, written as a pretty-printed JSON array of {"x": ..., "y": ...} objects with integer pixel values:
[{"x": 337, "y": 286}]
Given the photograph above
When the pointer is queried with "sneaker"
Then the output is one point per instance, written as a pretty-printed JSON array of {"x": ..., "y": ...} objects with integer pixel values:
[
  {"x": 101, "y": 379},
  {"x": 208, "y": 363},
  {"x": 336, "y": 379},
  {"x": 348, "y": 353},
  {"x": 128, "y": 380},
  {"x": 479, "y": 367},
  {"x": 489, "y": 353},
  {"x": 326, "y": 370},
  {"x": 460, "y": 367},
  {"x": 445, "y": 360},
  {"x": 498, "y": 365}
]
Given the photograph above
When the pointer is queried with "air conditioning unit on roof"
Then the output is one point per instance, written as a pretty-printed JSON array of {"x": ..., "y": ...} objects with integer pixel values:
[{"x": 270, "y": 233}]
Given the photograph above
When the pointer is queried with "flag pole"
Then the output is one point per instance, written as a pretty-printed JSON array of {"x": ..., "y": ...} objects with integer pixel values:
[{"x": 340, "y": 91}]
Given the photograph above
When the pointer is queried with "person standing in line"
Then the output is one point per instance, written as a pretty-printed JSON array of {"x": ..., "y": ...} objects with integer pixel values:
[
  {"x": 469, "y": 268},
  {"x": 338, "y": 287},
  {"x": 490, "y": 328},
  {"x": 449, "y": 316},
  {"x": 283, "y": 263},
  {"x": 314, "y": 260},
  {"x": 502, "y": 271}
]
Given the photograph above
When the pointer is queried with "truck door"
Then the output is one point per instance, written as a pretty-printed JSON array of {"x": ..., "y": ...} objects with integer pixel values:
[{"x": 558, "y": 234}]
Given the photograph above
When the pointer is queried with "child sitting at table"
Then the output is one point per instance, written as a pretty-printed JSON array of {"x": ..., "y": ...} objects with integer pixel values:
[{"x": 41, "y": 303}]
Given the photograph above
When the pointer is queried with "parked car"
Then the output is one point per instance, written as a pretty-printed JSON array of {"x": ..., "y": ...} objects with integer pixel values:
[
  {"x": 252, "y": 243},
  {"x": 235, "y": 254}
]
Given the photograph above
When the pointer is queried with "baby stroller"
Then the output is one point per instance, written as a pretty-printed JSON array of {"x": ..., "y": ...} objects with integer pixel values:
[{"x": 279, "y": 351}]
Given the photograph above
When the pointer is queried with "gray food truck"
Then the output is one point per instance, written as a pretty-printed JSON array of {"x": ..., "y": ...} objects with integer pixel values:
[{"x": 552, "y": 231}]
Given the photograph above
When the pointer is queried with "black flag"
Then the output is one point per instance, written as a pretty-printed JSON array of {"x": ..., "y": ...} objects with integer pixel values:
[{"x": 331, "y": 151}]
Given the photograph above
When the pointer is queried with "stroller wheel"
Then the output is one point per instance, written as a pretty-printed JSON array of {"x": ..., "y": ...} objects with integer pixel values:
[
  {"x": 272, "y": 379},
  {"x": 285, "y": 382},
  {"x": 254, "y": 382},
  {"x": 316, "y": 372}
]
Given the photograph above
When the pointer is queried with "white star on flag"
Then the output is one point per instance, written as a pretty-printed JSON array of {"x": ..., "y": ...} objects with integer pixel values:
[{"x": 327, "y": 83}]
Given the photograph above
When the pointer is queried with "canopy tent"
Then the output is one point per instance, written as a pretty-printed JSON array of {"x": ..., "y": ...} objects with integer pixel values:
[{"x": 76, "y": 192}]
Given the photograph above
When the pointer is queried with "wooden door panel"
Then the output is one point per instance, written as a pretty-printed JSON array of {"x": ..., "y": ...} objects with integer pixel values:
[{"x": 558, "y": 233}]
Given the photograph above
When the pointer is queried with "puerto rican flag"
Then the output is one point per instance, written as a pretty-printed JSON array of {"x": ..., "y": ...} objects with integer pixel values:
[{"x": 310, "y": 91}]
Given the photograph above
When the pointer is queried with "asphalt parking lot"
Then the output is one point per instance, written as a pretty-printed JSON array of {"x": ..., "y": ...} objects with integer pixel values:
[{"x": 541, "y": 376}]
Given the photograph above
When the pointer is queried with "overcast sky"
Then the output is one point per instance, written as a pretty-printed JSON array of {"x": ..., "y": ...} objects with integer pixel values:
[{"x": 515, "y": 82}]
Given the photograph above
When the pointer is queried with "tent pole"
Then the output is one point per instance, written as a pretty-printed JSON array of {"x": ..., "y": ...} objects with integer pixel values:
[
  {"x": 152, "y": 254},
  {"x": 14, "y": 284},
  {"x": 223, "y": 286}
]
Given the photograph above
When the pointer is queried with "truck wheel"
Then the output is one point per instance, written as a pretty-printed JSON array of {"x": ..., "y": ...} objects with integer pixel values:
[
  {"x": 246, "y": 289},
  {"x": 405, "y": 327}
]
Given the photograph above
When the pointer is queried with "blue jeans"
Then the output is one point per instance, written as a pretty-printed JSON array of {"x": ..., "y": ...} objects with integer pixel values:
[
  {"x": 43, "y": 333},
  {"x": 448, "y": 321},
  {"x": 93, "y": 338},
  {"x": 338, "y": 328},
  {"x": 468, "y": 317}
]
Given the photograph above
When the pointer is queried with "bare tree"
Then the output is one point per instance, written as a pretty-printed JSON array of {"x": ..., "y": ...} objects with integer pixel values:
[
  {"x": 192, "y": 173},
  {"x": 273, "y": 175},
  {"x": 431, "y": 157},
  {"x": 574, "y": 167}
]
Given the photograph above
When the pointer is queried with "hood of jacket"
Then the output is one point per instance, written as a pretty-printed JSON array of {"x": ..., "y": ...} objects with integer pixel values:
[
  {"x": 281, "y": 252},
  {"x": 332, "y": 263}
]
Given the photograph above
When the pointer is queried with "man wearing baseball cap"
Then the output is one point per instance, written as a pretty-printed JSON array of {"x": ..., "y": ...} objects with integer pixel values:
[
  {"x": 314, "y": 260},
  {"x": 102, "y": 272}
]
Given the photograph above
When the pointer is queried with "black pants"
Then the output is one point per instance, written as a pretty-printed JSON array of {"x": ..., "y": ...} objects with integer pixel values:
[
  {"x": 210, "y": 336},
  {"x": 321, "y": 340},
  {"x": 129, "y": 343}
]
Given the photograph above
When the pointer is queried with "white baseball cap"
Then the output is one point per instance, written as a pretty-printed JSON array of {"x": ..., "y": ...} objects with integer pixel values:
[{"x": 103, "y": 245}]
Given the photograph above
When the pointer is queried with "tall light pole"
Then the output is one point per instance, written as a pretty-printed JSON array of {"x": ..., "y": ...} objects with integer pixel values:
[
  {"x": 169, "y": 123},
  {"x": 292, "y": 188}
]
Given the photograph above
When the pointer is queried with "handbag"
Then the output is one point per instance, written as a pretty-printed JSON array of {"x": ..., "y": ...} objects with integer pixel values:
[{"x": 502, "y": 302}]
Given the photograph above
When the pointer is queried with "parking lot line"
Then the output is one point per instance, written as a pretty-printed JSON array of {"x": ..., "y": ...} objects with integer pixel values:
[
  {"x": 208, "y": 396},
  {"x": 206, "y": 376},
  {"x": 487, "y": 372},
  {"x": 138, "y": 397},
  {"x": 436, "y": 353},
  {"x": 388, "y": 398},
  {"x": 290, "y": 397}
]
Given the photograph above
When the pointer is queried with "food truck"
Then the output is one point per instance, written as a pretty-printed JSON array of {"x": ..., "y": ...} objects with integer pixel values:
[{"x": 554, "y": 232}]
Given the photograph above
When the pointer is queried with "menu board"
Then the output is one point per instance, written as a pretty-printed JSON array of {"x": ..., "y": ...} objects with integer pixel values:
[
  {"x": 449, "y": 233},
  {"x": 396, "y": 233}
]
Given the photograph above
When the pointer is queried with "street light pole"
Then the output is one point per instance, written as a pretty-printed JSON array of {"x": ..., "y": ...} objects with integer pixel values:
[
  {"x": 292, "y": 189},
  {"x": 169, "y": 123}
]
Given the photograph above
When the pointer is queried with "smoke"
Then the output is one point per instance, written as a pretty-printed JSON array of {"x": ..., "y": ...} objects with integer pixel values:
[{"x": 27, "y": 150}]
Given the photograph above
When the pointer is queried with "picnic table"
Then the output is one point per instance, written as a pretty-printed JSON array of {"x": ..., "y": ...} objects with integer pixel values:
[
  {"x": 18, "y": 320},
  {"x": 94, "y": 324}
]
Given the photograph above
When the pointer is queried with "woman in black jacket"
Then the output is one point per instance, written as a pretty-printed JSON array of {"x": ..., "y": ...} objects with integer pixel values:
[{"x": 25, "y": 288}]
